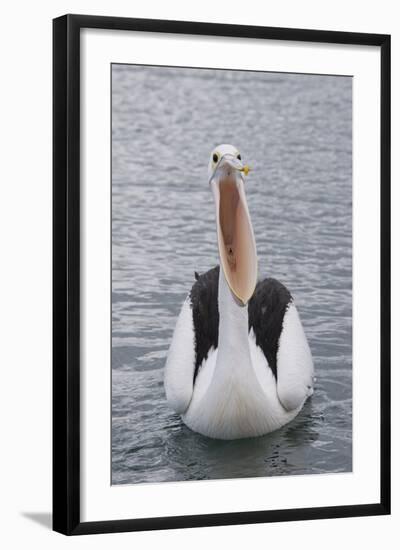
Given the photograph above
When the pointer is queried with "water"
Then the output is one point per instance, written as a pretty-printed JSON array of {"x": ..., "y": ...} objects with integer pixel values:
[{"x": 295, "y": 130}]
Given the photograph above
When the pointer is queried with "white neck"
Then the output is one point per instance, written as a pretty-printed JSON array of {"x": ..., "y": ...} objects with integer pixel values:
[{"x": 233, "y": 338}]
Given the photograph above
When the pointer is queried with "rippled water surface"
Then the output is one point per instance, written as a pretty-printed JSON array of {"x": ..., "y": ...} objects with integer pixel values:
[{"x": 295, "y": 130}]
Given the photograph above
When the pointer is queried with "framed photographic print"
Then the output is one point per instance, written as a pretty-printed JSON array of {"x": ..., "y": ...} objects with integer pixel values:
[{"x": 221, "y": 274}]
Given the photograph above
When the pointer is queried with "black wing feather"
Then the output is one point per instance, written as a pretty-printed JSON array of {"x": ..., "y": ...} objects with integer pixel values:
[
  {"x": 267, "y": 309},
  {"x": 204, "y": 301}
]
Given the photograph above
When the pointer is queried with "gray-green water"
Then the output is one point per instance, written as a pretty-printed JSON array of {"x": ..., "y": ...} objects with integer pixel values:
[{"x": 295, "y": 130}]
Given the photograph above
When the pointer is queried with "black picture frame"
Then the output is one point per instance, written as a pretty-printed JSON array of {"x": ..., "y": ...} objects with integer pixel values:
[{"x": 66, "y": 273}]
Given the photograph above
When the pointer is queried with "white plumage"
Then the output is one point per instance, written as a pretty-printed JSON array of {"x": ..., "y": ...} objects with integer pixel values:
[{"x": 235, "y": 394}]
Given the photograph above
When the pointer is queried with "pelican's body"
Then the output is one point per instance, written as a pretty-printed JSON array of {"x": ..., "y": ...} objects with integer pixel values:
[{"x": 239, "y": 364}]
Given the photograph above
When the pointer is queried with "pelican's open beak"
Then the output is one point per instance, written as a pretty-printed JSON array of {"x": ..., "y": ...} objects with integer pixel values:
[{"x": 236, "y": 243}]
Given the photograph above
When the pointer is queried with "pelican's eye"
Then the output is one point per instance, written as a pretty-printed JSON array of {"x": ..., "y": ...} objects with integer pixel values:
[
  {"x": 215, "y": 157},
  {"x": 239, "y": 156}
]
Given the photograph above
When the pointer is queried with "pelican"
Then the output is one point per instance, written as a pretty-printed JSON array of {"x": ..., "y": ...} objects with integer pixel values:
[{"x": 239, "y": 364}]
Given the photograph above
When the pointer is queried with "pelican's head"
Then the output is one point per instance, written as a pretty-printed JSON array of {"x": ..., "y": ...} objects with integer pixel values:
[{"x": 236, "y": 243}]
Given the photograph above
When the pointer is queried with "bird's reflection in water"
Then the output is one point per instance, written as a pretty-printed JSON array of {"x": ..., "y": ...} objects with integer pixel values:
[{"x": 193, "y": 456}]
